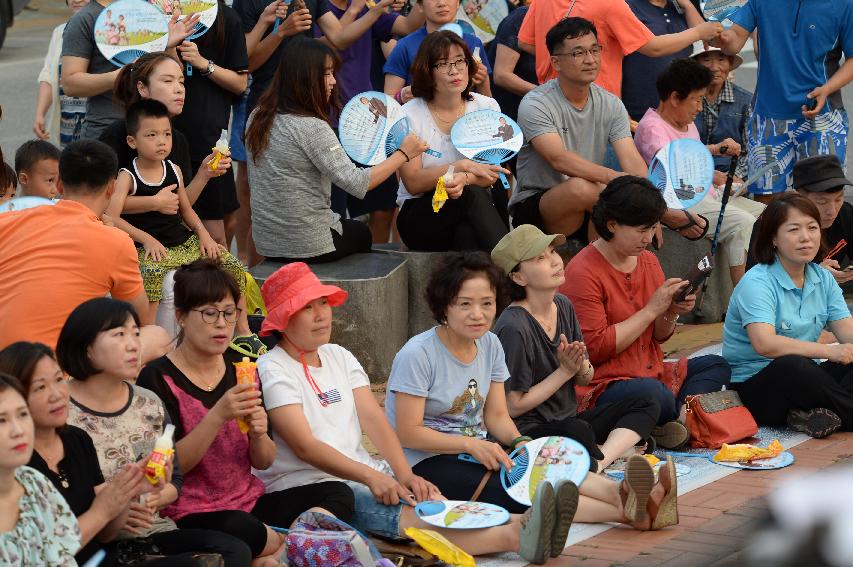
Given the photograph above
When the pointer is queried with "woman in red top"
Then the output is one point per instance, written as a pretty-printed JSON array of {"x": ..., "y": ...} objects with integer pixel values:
[{"x": 627, "y": 309}]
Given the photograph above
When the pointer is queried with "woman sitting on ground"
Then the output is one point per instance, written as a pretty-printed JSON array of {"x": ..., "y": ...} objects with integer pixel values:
[
  {"x": 546, "y": 356},
  {"x": 99, "y": 347},
  {"x": 37, "y": 527},
  {"x": 627, "y": 310},
  {"x": 446, "y": 397},
  {"x": 442, "y": 79},
  {"x": 294, "y": 157},
  {"x": 198, "y": 385},
  {"x": 320, "y": 401},
  {"x": 65, "y": 455},
  {"x": 775, "y": 317}
]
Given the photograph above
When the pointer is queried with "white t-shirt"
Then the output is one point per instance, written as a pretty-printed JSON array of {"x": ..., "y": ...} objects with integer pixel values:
[
  {"x": 284, "y": 383},
  {"x": 423, "y": 124}
]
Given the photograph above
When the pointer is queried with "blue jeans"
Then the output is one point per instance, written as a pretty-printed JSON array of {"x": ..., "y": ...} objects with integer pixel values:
[
  {"x": 372, "y": 516},
  {"x": 704, "y": 374}
]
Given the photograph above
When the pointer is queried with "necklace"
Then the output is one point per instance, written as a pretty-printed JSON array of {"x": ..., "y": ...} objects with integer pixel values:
[
  {"x": 207, "y": 386},
  {"x": 459, "y": 112}
]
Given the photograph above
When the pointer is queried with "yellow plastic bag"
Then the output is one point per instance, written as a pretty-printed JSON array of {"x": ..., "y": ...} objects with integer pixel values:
[
  {"x": 254, "y": 299},
  {"x": 439, "y": 546},
  {"x": 743, "y": 452}
]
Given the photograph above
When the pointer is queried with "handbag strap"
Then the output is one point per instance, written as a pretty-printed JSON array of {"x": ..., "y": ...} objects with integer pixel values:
[{"x": 480, "y": 487}]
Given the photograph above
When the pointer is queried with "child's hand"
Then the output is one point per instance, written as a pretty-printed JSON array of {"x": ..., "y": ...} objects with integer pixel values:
[
  {"x": 155, "y": 250},
  {"x": 208, "y": 246},
  {"x": 167, "y": 200}
]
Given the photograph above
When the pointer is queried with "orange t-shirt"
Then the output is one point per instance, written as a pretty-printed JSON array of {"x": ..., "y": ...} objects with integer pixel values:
[
  {"x": 52, "y": 259},
  {"x": 619, "y": 32}
]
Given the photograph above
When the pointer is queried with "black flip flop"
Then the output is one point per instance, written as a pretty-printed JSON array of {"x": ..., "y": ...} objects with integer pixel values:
[{"x": 691, "y": 222}]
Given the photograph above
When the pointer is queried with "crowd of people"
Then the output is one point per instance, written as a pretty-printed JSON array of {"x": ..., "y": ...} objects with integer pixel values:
[{"x": 125, "y": 311}]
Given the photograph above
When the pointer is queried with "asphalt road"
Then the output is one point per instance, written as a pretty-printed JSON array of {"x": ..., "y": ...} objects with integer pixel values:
[{"x": 22, "y": 56}]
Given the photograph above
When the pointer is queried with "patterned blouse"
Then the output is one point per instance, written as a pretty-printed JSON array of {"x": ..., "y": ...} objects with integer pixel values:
[{"x": 47, "y": 532}]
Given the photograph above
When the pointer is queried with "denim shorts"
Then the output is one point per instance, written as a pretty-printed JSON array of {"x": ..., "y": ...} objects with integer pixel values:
[
  {"x": 238, "y": 126},
  {"x": 372, "y": 516}
]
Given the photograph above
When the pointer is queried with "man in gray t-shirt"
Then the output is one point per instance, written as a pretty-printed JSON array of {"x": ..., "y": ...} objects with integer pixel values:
[{"x": 568, "y": 124}]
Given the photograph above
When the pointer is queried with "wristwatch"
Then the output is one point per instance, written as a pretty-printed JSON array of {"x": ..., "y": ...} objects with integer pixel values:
[{"x": 210, "y": 69}]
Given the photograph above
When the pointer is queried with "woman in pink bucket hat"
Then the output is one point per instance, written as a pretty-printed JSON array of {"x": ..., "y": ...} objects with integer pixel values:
[{"x": 319, "y": 402}]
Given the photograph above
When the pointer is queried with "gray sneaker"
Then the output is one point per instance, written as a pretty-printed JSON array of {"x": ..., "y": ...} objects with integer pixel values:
[
  {"x": 537, "y": 525},
  {"x": 567, "y": 496}
]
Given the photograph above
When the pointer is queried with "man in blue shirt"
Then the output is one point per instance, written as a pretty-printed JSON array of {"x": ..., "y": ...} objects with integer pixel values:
[
  {"x": 800, "y": 42},
  {"x": 438, "y": 13}
]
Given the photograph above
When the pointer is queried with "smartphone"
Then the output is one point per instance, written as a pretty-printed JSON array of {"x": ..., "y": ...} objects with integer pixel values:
[
  {"x": 696, "y": 276},
  {"x": 811, "y": 104}
]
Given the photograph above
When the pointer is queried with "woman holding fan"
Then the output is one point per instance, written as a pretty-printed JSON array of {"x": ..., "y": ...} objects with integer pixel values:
[
  {"x": 294, "y": 156},
  {"x": 472, "y": 218}
]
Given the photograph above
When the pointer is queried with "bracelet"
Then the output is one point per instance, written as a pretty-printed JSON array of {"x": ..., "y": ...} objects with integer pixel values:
[
  {"x": 673, "y": 320},
  {"x": 405, "y": 155},
  {"x": 514, "y": 443}
]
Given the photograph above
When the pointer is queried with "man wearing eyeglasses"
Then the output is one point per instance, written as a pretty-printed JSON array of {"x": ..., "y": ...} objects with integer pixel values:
[
  {"x": 620, "y": 32},
  {"x": 568, "y": 123}
]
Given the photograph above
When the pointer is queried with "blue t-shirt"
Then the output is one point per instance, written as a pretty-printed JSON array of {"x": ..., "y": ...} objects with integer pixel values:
[
  {"x": 766, "y": 294},
  {"x": 640, "y": 72},
  {"x": 795, "y": 38},
  {"x": 400, "y": 61},
  {"x": 455, "y": 392}
]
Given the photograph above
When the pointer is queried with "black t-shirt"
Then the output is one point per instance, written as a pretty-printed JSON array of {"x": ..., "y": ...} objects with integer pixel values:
[
  {"x": 115, "y": 136},
  {"x": 841, "y": 229},
  {"x": 151, "y": 377},
  {"x": 507, "y": 34},
  {"x": 531, "y": 356},
  {"x": 169, "y": 230},
  {"x": 207, "y": 107},
  {"x": 250, "y": 12},
  {"x": 80, "y": 473}
]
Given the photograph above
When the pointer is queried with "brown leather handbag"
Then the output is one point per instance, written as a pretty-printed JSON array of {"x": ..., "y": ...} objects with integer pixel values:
[{"x": 717, "y": 418}]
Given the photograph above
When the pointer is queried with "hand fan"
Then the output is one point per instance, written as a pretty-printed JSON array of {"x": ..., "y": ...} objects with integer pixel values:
[
  {"x": 484, "y": 16},
  {"x": 487, "y": 136},
  {"x": 206, "y": 9},
  {"x": 372, "y": 126},
  {"x": 546, "y": 458},
  {"x": 127, "y": 29},
  {"x": 721, "y": 10},
  {"x": 683, "y": 170},
  {"x": 278, "y": 20},
  {"x": 21, "y": 203},
  {"x": 461, "y": 515}
]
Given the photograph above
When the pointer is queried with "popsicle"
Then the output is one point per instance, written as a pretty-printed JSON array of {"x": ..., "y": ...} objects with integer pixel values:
[{"x": 246, "y": 371}]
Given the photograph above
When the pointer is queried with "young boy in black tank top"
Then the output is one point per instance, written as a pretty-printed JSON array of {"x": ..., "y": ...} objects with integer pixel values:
[{"x": 165, "y": 241}]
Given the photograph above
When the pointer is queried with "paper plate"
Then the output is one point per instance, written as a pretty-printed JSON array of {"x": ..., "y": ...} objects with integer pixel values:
[
  {"x": 206, "y": 9},
  {"x": 484, "y": 16},
  {"x": 487, "y": 136},
  {"x": 127, "y": 29},
  {"x": 617, "y": 472},
  {"x": 546, "y": 458},
  {"x": 780, "y": 461},
  {"x": 461, "y": 515},
  {"x": 683, "y": 170},
  {"x": 721, "y": 10},
  {"x": 21, "y": 203},
  {"x": 366, "y": 124}
]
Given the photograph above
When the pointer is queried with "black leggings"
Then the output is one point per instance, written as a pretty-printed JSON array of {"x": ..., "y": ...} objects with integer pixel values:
[
  {"x": 180, "y": 546},
  {"x": 471, "y": 222},
  {"x": 591, "y": 428},
  {"x": 458, "y": 480},
  {"x": 796, "y": 382},
  {"x": 356, "y": 238}
]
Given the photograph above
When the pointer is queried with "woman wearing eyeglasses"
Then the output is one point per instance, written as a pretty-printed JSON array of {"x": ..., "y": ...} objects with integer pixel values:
[
  {"x": 198, "y": 385},
  {"x": 473, "y": 218}
]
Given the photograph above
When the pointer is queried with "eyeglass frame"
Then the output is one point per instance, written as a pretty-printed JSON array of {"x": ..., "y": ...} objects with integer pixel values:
[
  {"x": 452, "y": 65},
  {"x": 577, "y": 57},
  {"x": 219, "y": 313}
]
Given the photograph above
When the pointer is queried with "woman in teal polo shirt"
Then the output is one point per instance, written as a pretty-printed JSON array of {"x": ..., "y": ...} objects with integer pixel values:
[{"x": 775, "y": 317}]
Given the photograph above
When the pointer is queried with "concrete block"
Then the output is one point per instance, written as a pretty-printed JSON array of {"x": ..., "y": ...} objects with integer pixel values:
[
  {"x": 373, "y": 323},
  {"x": 420, "y": 264},
  {"x": 679, "y": 255}
]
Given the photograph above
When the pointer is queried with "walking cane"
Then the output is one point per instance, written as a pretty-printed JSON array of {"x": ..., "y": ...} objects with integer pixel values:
[{"x": 727, "y": 190}]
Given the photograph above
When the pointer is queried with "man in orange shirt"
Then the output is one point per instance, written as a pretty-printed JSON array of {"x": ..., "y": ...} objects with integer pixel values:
[
  {"x": 619, "y": 32},
  {"x": 53, "y": 258}
]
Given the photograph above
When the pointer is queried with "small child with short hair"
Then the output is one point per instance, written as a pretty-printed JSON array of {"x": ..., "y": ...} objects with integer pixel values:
[
  {"x": 167, "y": 241},
  {"x": 37, "y": 167},
  {"x": 8, "y": 182}
]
